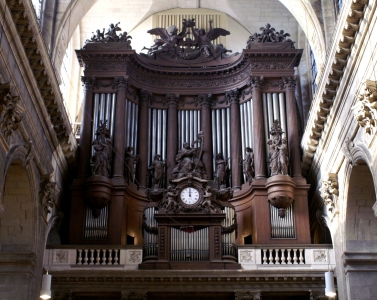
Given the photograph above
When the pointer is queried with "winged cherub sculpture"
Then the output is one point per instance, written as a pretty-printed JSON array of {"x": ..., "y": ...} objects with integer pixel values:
[
  {"x": 204, "y": 38},
  {"x": 169, "y": 38}
]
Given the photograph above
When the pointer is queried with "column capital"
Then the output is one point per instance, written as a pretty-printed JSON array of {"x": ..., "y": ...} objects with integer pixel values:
[
  {"x": 232, "y": 96},
  {"x": 256, "y": 82},
  {"x": 205, "y": 100},
  {"x": 171, "y": 100},
  {"x": 120, "y": 83},
  {"x": 90, "y": 83},
  {"x": 289, "y": 82},
  {"x": 146, "y": 97}
]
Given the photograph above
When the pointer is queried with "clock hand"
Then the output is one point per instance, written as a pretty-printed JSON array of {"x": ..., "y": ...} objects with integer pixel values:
[{"x": 189, "y": 192}]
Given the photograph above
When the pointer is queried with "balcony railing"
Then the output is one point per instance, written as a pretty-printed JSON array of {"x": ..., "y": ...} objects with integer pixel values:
[
  {"x": 272, "y": 256},
  {"x": 93, "y": 257}
]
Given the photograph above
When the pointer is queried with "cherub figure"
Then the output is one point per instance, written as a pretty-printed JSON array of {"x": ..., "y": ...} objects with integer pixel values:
[
  {"x": 169, "y": 38},
  {"x": 98, "y": 36},
  {"x": 171, "y": 197},
  {"x": 207, "y": 203},
  {"x": 268, "y": 34},
  {"x": 204, "y": 38},
  {"x": 111, "y": 35}
]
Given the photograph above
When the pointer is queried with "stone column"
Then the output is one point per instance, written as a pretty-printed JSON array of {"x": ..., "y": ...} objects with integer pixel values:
[
  {"x": 86, "y": 126},
  {"x": 142, "y": 165},
  {"x": 232, "y": 97},
  {"x": 292, "y": 126},
  {"x": 172, "y": 134},
  {"x": 258, "y": 127},
  {"x": 206, "y": 121},
  {"x": 120, "y": 128}
]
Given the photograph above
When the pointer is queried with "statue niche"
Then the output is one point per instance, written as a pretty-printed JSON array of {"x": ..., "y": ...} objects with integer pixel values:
[{"x": 189, "y": 160}]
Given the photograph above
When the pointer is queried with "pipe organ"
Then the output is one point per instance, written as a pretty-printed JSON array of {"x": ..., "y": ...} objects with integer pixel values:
[{"x": 178, "y": 107}]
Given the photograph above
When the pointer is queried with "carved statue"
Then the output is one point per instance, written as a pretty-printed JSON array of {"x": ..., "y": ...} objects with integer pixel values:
[
  {"x": 224, "y": 193},
  {"x": 102, "y": 151},
  {"x": 157, "y": 170},
  {"x": 111, "y": 35},
  {"x": 171, "y": 202},
  {"x": 248, "y": 164},
  {"x": 278, "y": 151},
  {"x": 129, "y": 162},
  {"x": 98, "y": 36},
  {"x": 189, "y": 160},
  {"x": 169, "y": 38},
  {"x": 207, "y": 202},
  {"x": 205, "y": 38},
  {"x": 269, "y": 35},
  {"x": 221, "y": 169},
  {"x": 173, "y": 45}
]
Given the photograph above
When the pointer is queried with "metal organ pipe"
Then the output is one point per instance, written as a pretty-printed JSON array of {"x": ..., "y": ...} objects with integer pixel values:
[
  {"x": 221, "y": 133},
  {"x": 188, "y": 126},
  {"x": 282, "y": 227}
]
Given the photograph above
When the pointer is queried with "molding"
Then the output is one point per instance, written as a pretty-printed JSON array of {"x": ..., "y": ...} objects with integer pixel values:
[
  {"x": 331, "y": 78},
  {"x": 35, "y": 50}
]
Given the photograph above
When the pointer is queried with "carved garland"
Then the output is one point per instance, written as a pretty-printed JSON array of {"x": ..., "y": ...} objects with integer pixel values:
[
  {"x": 48, "y": 193},
  {"x": 365, "y": 109},
  {"x": 329, "y": 191}
]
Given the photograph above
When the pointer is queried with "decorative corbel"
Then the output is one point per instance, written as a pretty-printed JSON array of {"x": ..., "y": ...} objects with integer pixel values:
[
  {"x": 347, "y": 150},
  {"x": 329, "y": 191},
  {"x": 365, "y": 109},
  {"x": 48, "y": 193},
  {"x": 11, "y": 112}
]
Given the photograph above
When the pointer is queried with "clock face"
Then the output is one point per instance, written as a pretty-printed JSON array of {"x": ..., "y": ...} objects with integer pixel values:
[{"x": 190, "y": 195}]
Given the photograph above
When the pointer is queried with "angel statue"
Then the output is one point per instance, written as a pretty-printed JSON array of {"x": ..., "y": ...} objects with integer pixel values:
[
  {"x": 169, "y": 38},
  {"x": 204, "y": 38}
]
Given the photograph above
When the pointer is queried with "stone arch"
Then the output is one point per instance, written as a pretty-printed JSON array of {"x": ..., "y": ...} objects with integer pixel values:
[
  {"x": 308, "y": 20},
  {"x": 360, "y": 221},
  {"x": 19, "y": 220}
]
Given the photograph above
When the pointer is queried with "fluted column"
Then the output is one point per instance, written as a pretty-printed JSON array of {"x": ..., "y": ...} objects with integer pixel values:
[
  {"x": 206, "y": 121},
  {"x": 292, "y": 126},
  {"x": 142, "y": 165},
  {"x": 86, "y": 126},
  {"x": 258, "y": 127},
  {"x": 172, "y": 134},
  {"x": 119, "y": 127},
  {"x": 232, "y": 97}
]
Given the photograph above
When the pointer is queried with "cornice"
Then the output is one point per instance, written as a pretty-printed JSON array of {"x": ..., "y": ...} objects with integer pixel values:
[
  {"x": 28, "y": 30},
  {"x": 331, "y": 78}
]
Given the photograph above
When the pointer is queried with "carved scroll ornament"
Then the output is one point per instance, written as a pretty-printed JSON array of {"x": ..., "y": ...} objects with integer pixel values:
[{"x": 365, "y": 109}]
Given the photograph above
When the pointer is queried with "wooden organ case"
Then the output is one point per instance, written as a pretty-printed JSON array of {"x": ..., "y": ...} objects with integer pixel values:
[{"x": 234, "y": 113}]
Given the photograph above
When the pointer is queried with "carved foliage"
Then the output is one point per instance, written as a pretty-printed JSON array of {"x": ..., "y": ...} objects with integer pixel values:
[
  {"x": 365, "y": 109},
  {"x": 232, "y": 96},
  {"x": 48, "y": 193},
  {"x": 289, "y": 82},
  {"x": 11, "y": 112},
  {"x": 329, "y": 191}
]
